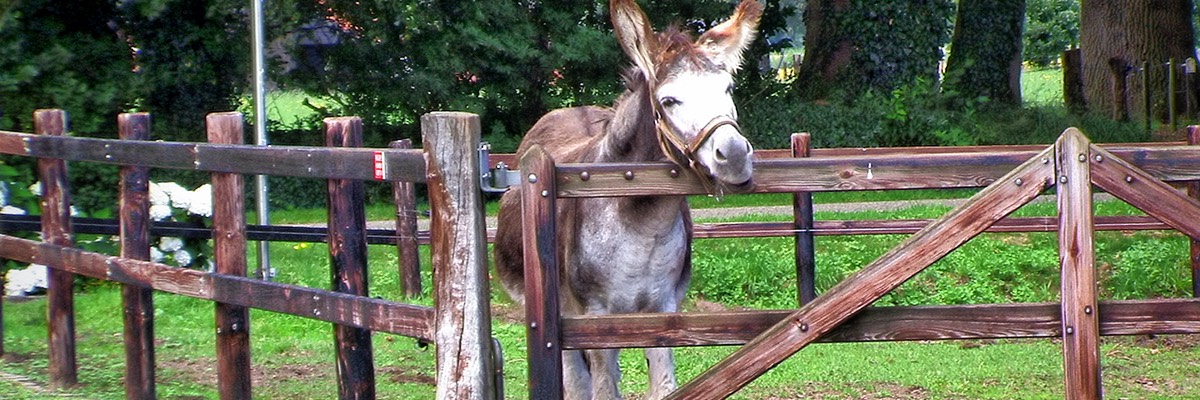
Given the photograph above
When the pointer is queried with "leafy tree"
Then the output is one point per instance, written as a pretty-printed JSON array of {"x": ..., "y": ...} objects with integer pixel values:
[
  {"x": 54, "y": 56},
  {"x": 1052, "y": 27},
  {"x": 510, "y": 61},
  {"x": 985, "y": 58}
]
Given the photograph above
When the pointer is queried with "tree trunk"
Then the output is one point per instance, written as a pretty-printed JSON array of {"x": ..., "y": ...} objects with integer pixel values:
[
  {"x": 1117, "y": 37},
  {"x": 985, "y": 57},
  {"x": 826, "y": 50}
]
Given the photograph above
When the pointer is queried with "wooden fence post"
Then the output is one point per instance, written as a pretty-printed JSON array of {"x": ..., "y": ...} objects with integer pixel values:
[
  {"x": 405, "y": 196},
  {"x": 802, "y": 216},
  {"x": 229, "y": 253},
  {"x": 56, "y": 229},
  {"x": 1194, "y": 192},
  {"x": 540, "y": 242},
  {"x": 461, "y": 292},
  {"x": 1080, "y": 322},
  {"x": 135, "y": 244},
  {"x": 348, "y": 254}
]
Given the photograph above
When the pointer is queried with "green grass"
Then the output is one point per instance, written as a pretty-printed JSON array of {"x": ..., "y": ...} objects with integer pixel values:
[
  {"x": 292, "y": 356},
  {"x": 1042, "y": 86}
]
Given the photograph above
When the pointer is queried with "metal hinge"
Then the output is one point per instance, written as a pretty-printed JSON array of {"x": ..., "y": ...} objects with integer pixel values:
[{"x": 498, "y": 179}]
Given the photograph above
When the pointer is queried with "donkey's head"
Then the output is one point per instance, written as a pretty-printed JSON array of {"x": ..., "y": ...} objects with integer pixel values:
[{"x": 691, "y": 89}]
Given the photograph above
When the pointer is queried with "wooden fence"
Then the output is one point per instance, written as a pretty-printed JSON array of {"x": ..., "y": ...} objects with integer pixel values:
[
  {"x": 1011, "y": 177},
  {"x": 459, "y": 324}
]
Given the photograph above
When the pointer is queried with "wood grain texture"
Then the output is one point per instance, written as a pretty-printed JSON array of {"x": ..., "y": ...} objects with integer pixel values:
[
  {"x": 229, "y": 255},
  {"x": 404, "y": 195},
  {"x": 459, "y": 256},
  {"x": 1076, "y": 253},
  {"x": 978, "y": 321},
  {"x": 540, "y": 243},
  {"x": 317, "y": 304},
  {"x": 802, "y": 222},
  {"x": 137, "y": 301},
  {"x": 1193, "y": 189},
  {"x": 298, "y": 161},
  {"x": 348, "y": 258},
  {"x": 1142, "y": 190},
  {"x": 56, "y": 229},
  {"x": 876, "y": 279},
  {"x": 851, "y": 173}
]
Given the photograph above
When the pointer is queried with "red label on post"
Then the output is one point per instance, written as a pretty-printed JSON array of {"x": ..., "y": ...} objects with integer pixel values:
[{"x": 379, "y": 166}]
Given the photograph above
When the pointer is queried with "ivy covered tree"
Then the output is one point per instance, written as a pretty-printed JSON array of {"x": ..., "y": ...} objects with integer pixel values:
[
  {"x": 985, "y": 57},
  {"x": 855, "y": 46}
]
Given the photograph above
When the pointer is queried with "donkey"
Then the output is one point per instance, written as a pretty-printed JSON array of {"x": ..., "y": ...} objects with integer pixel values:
[{"x": 632, "y": 254}]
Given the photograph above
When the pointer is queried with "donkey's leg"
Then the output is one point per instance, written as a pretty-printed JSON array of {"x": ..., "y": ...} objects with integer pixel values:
[
  {"x": 662, "y": 372},
  {"x": 606, "y": 373},
  {"x": 577, "y": 382}
]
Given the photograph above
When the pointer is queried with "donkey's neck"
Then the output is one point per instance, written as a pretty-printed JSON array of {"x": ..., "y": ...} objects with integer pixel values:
[{"x": 632, "y": 136}]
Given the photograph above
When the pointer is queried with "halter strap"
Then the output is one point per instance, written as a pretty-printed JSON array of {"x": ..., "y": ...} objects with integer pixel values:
[{"x": 680, "y": 151}]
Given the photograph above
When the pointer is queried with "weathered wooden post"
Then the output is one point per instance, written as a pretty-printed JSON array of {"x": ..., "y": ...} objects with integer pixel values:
[
  {"x": 540, "y": 242},
  {"x": 461, "y": 292},
  {"x": 1080, "y": 322},
  {"x": 135, "y": 244},
  {"x": 405, "y": 196},
  {"x": 229, "y": 253},
  {"x": 56, "y": 230},
  {"x": 1194, "y": 192},
  {"x": 802, "y": 217},
  {"x": 348, "y": 254}
]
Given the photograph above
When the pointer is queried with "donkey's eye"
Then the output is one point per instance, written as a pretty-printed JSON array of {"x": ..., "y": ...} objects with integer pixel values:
[{"x": 670, "y": 102}]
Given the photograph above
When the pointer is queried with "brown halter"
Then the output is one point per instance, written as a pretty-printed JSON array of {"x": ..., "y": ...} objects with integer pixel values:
[{"x": 679, "y": 150}]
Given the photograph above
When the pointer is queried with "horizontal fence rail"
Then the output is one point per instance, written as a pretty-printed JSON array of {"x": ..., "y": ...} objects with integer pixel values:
[
  {"x": 323, "y": 305},
  {"x": 977, "y": 321},
  {"x": 853, "y": 173},
  {"x": 297, "y": 161}
]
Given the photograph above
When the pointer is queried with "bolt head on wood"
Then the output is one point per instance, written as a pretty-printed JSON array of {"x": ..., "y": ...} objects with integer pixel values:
[
  {"x": 533, "y": 178},
  {"x": 585, "y": 175},
  {"x": 629, "y": 175}
]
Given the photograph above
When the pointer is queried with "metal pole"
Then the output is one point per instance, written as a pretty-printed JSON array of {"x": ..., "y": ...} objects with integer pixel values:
[{"x": 260, "y": 130}]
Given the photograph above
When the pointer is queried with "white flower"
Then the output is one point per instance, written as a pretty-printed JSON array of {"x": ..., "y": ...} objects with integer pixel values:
[
  {"x": 201, "y": 203},
  {"x": 22, "y": 281},
  {"x": 182, "y": 257},
  {"x": 160, "y": 212},
  {"x": 36, "y": 188},
  {"x": 12, "y": 210},
  {"x": 170, "y": 244},
  {"x": 158, "y": 196},
  {"x": 156, "y": 255},
  {"x": 180, "y": 197}
]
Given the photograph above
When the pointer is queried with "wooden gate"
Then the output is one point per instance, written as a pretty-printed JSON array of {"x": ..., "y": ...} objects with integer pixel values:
[{"x": 1072, "y": 165}]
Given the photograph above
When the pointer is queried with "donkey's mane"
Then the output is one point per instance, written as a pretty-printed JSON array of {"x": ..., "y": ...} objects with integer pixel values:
[{"x": 677, "y": 45}]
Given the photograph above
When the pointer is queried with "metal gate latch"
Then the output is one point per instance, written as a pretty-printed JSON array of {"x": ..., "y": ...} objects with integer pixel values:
[{"x": 498, "y": 179}]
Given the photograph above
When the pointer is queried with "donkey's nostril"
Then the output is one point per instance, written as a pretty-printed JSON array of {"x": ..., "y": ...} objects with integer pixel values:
[{"x": 720, "y": 155}]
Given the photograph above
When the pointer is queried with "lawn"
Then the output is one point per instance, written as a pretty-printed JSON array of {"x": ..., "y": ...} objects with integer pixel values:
[{"x": 292, "y": 356}]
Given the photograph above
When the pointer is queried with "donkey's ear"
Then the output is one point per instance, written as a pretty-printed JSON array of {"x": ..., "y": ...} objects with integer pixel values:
[
  {"x": 726, "y": 42},
  {"x": 635, "y": 34}
]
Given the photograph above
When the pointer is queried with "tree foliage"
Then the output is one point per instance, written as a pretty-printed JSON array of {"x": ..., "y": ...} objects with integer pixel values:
[{"x": 1052, "y": 27}]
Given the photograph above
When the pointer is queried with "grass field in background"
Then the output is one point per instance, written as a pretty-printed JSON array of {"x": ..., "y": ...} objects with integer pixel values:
[{"x": 293, "y": 356}]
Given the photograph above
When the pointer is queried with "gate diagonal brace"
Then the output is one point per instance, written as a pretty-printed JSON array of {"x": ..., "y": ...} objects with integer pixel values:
[
  {"x": 1141, "y": 190},
  {"x": 889, "y": 271}
]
